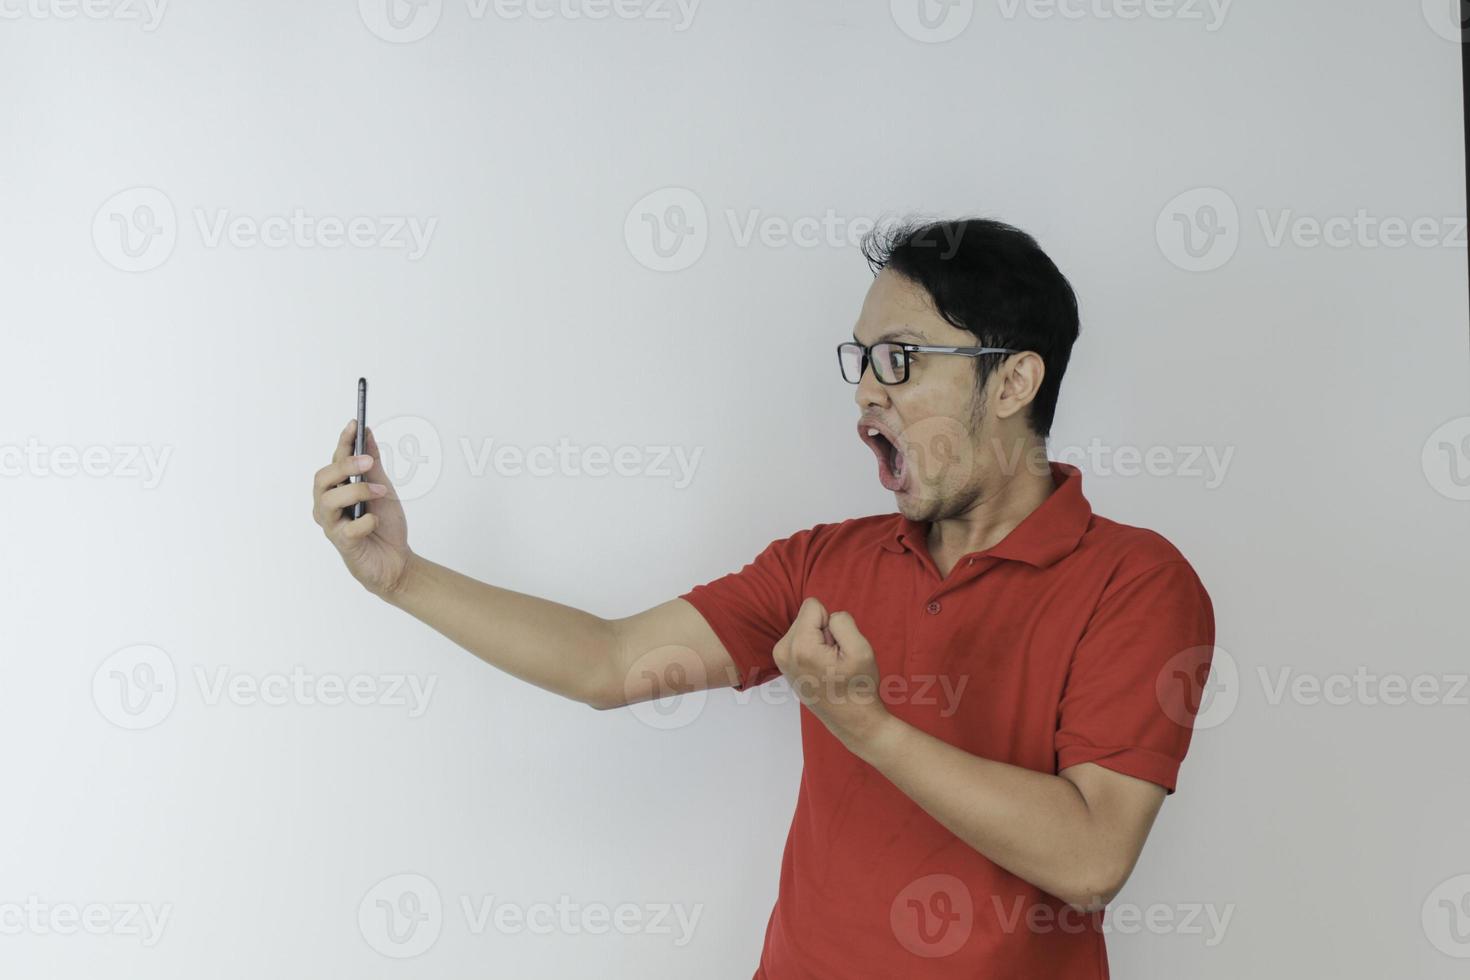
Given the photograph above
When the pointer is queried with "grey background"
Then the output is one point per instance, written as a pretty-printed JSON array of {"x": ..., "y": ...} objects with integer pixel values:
[{"x": 1328, "y": 832}]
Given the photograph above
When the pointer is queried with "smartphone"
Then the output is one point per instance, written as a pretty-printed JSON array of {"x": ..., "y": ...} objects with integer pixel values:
[{"x": 359, "y": 443}]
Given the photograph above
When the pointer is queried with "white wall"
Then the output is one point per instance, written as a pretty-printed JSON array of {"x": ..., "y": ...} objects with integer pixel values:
[{"x": 1322, "y": 830}]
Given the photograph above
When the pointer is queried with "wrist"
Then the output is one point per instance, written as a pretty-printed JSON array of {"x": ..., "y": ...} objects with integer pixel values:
[
  {"x": 398, "y": 590},
  {"x": 880, "y": 741}
]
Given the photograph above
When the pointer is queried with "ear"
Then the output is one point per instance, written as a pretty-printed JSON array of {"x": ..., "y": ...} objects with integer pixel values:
[{"x": 1017, "y": 382}]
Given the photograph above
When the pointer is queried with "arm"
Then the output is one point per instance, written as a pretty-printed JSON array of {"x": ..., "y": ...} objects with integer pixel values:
[
  {"x": 1076, "y": 835},
  {"x": 555, "y": 647},
  {"x": 600, "y": 662}
]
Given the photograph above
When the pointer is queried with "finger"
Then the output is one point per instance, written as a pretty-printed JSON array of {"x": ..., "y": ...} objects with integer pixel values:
[
  {"x": 845, "y": 631},
  {"x": 360, "y": 528},
  {"x": 345, "y": 441},
  {"x": 334, "y": 500},
  {"x": 377, "y": 474},
  {"x": 811, "y": 620},
  {"x": 812, "y": 615},
  {"x": 338, "y": 471}
]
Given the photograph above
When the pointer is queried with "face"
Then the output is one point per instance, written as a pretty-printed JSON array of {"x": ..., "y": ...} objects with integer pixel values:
[{"x": 932, "y": 426}]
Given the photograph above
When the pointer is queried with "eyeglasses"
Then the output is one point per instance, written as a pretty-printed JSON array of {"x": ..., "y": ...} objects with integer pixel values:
[{"x": 891, "y": 360}]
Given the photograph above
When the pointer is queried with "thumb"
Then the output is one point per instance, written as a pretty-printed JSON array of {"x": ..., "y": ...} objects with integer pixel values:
[
  {"x": 845, "y": 632},
  {"x": 812, "y": 613},
  {"x": 811, "y": 620},
  {"x": 377, "y": 474}
]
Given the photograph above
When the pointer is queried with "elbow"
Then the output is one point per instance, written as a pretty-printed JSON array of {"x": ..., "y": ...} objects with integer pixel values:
[
  {"x": 597, "y": 689},
  {"x": 602, "y": 702},
  {"x": 600, "y": 697},
  {"x": 603, "y": 697},
  {"x": 1092, "y": 892}
]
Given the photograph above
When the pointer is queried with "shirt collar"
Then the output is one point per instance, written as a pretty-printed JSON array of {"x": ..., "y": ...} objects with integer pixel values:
[{"x": 1047, "y": 534}]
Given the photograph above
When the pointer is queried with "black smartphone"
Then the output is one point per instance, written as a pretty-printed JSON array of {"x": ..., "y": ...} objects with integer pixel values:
[{"x": 359, "y": 443}]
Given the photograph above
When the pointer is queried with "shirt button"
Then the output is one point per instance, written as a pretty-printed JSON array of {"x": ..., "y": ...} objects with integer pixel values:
[{"x": 933, "y": 607}]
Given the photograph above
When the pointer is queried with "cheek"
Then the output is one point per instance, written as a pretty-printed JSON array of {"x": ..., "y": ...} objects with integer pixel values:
[
  {"x": 947, "y": 407},
  {"x": 950, "y": 392},
  {"x": 941, "y": 453}
]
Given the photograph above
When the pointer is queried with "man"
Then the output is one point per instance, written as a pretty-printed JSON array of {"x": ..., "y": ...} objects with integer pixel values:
[{"x": 998, "y": 685}]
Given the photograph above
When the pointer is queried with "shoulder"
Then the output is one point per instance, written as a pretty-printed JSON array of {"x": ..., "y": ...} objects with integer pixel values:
[
  {"x": 1125, "y": 554},
  {"x": 858, "y": 532},
  {"x": 847, "y": 537}
]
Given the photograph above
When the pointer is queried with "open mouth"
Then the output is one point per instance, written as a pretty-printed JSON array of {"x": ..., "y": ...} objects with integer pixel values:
[{"x": 892, "y": 464}]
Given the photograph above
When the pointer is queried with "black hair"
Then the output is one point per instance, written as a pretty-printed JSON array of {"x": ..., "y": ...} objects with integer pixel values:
[{"x": 992, "y": 280}]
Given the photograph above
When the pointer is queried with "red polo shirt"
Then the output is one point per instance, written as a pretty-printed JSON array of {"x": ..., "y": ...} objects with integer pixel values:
[{"x": 1075, "y": 639}]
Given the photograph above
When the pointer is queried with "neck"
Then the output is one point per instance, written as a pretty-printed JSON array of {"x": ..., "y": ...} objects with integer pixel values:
[{"x": 1005, "y": 501}]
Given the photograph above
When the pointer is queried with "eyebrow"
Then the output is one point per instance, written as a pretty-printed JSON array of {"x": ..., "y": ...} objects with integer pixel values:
[{"x": 905, "y": 334}]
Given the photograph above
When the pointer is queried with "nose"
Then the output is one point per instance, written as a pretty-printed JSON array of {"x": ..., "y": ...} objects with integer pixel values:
[{"x": 869, "y": 390}]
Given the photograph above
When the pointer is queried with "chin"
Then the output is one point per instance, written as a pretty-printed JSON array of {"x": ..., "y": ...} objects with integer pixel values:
[{"x": 919, "y": 508}]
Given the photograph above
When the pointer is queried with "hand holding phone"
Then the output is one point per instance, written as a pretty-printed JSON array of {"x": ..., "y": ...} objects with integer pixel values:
[{"x": 373, "y": 542}]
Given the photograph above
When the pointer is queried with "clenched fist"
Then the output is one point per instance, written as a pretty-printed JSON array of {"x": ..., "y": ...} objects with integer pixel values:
[{"x": 831, "y": 667}]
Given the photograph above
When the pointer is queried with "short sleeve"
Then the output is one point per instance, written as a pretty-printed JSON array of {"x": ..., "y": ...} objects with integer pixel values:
[
  {"x": 1120, "y": 708},
  {"x": 750, "y": 610}
]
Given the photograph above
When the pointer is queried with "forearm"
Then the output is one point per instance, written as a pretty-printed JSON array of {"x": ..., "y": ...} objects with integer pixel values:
[
  {"x": 556, "y": 647},
  {"x": 1035, "y": 825}
]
